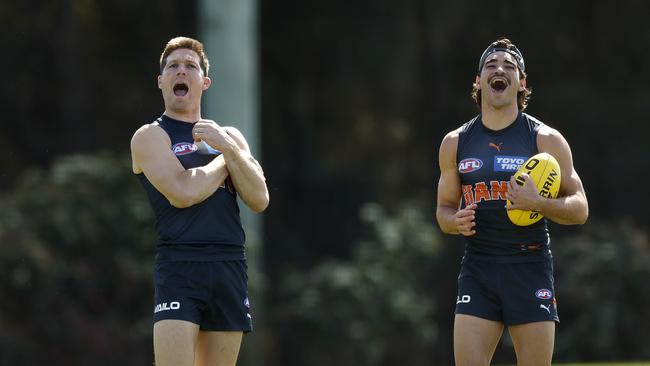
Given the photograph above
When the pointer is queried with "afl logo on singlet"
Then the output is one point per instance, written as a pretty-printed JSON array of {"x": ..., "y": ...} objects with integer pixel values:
[
  {"x": 469, "y": 165},
  {"x": 184, "y": 148}
]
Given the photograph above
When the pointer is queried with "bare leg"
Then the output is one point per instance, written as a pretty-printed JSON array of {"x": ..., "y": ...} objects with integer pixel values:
[
  {"x": 475, "y": 340},
  {"x": 218, "y": 348},
  {"x": 533, "y": 343},
  {"x": 174, "y": 342}
]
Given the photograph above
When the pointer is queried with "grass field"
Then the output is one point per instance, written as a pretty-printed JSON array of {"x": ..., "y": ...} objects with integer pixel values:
[
  {"x": 601, "y": 364},
  {"x": 607, "y": 364}
]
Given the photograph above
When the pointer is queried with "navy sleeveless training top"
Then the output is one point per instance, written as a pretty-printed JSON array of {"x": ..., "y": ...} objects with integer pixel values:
[
  {"x": 486, "y": 161},
  {"x": 208, "y": 231}
]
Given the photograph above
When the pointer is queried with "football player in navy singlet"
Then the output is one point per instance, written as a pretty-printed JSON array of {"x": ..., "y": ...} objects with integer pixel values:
[
  {"x": 506, "y": 275},
  {"x": 193, "y": 170}
]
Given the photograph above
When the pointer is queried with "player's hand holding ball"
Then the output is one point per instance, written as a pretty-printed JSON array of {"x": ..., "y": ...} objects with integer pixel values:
[
  {"x": 522, "y": 197},
  {"x": 537, "y": 179}
]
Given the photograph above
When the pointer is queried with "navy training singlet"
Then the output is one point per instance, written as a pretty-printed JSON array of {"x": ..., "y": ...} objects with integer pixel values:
[
  {"x": 207, "y": 231},
  {"x": 486, "y": 161}
]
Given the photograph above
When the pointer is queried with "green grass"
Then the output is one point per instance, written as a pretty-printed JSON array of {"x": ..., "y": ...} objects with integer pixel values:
[
  {"x": 607, "y": 364},
  {"x": 601, "y": 364}
]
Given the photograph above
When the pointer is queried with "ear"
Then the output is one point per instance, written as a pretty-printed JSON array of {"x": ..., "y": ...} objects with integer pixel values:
[
  {"x": 159, "y": 81},
  {"x": 477, "y": 82},
  {"x": 522, "y": 84},
  {"x": 206, "y": 82}
]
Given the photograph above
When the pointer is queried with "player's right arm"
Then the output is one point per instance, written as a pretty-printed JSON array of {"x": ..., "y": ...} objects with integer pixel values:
[
  {"x": 451, "y": 219},
  {"x": 151, "y": 154}
]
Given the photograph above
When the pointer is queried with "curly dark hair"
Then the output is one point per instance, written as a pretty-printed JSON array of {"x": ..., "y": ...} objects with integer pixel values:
[{"x": 523, "y": 97}]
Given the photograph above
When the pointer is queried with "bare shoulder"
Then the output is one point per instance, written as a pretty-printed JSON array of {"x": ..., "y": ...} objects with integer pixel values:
[
  {"x": 549, "y": 137},
  {"x": 551, "y": 141},
  {"x": 147, "y": 140},
  {"x": 147, "y": 132},
  {"x": 451, "y": 137},
  {"x": 448, "y": 148},
  {"x": 450, "y": 142}
]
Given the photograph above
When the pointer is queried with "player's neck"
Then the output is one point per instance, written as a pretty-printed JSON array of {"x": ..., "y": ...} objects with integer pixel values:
[
  {"x": 499, "y": 118},
  {"x": 184, "y": 115}
]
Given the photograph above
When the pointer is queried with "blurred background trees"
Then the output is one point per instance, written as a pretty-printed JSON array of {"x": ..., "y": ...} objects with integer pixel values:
[
  {"x": 76, "y": 265},
  {"x": 356, "y": 98}
]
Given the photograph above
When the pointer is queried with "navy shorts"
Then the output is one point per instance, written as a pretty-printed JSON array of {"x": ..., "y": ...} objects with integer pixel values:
[
  {"x": 511, "y": 293},
  {"x": 213, "y": 295}
]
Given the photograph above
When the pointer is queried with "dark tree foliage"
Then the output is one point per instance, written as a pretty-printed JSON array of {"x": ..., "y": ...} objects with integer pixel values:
[
  {"x": 356, "y": 97},
  {"x": 80, "y": 75},
  {"x": 602, "y": 285},
  {"x": 76, "y": 251}
]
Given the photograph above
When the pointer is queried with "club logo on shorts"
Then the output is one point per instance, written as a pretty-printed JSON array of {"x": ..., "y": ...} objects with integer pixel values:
[
  {"x": 184, "y": 148},
  {"x": 544, "y": 294},
  {"x": 174, "y": 305},
  {"x": 469, "y": 165}
]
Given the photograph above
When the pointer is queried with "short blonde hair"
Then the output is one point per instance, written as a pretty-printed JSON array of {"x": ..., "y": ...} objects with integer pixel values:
[{"x": 190, "y": 44}]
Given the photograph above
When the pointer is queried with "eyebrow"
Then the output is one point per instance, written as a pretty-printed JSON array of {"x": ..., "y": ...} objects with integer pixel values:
[
  {"x": 495, "y": 60},
  {"x": 182, "y": 60}
]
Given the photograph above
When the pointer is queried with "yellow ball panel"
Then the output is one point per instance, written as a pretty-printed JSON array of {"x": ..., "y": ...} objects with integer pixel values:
[{"x": 545, "y": 172}]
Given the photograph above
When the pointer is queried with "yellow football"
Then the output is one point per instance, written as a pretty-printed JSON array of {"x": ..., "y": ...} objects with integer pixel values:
[{"x": 544, "y": 170}]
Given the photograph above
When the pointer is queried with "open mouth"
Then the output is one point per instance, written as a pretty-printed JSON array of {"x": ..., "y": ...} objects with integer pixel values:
[
  {"x": 181, "y": 89},
  {"x": 498, "y": 84}
]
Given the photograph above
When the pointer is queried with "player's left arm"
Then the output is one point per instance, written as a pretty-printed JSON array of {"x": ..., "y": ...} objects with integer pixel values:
[
  {"x": 570, "y": 207},
  {"x": 246, "y": 172}
]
